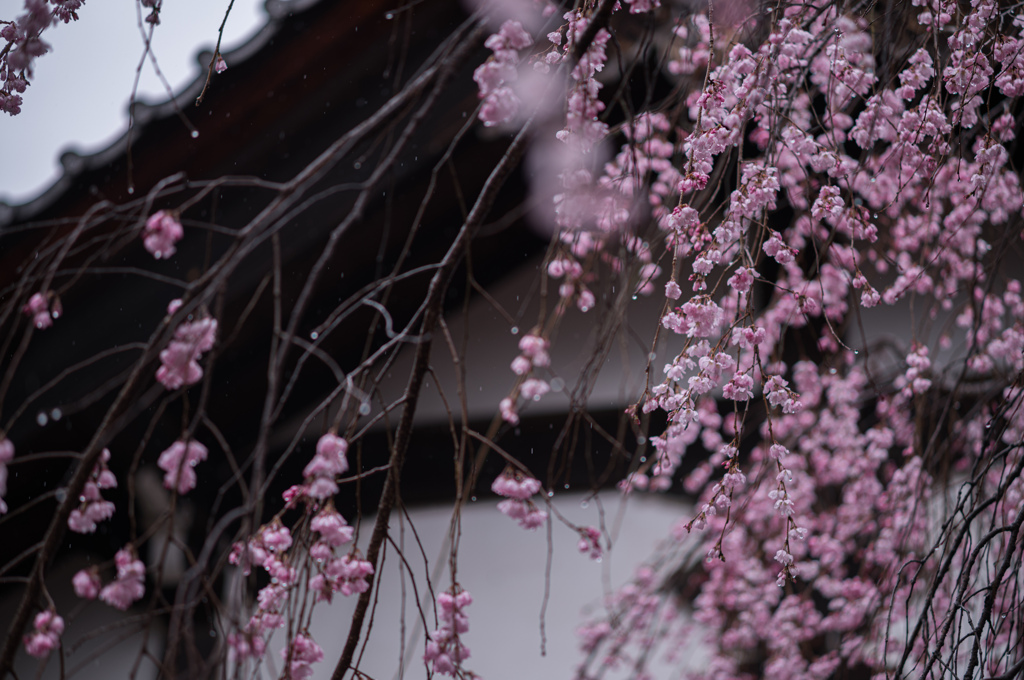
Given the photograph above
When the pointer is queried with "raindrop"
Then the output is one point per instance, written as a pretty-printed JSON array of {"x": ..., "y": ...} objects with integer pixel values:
[
  {"x": 42, "y": 419},
  {"x": 634, "y": 297},
  {"x": 473, "y": 498},
  {"x": 213, "y": 633},
  {"x": 584, "y": 308},
  {"x": 641, "y": 439},
  {"x": 598, "y": 559},
  {"x": 515, "y": 330},
  {"x": 566, "y": 487},
  {"x": 856, "y": 351},
  {"x": 875, "y": 216},
  {"x": 60, "y": 495},
  {"x": 643, "y": 459},
  {"x": 314, "y": 335},
  {"x": 652, "y": 356},
  {"x": 357, "y": 165},
  {"x": 584, "y": 504},
  {"x": 557, "y": 384},
  {"x": 364, "y": 408},
  {"x": 832, "y": 371},
  {"x": 131, "y": 190},
  {"x": 389, "y": 16},
  {"x": 195, "y": 133},
  {"x": 551, "y": 494}
]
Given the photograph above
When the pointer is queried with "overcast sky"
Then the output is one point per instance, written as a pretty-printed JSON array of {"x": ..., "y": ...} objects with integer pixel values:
[{"x": 79, "y": 95}]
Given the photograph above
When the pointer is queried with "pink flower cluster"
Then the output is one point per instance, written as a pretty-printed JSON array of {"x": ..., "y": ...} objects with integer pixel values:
[
  {"x": 583, "y": 128},
  {"x": 929, "y": 184},
  {"x": 93, "y": 508},
  {"x": 913, "y": 380},
  {"x": 445, "y": 651},
  {"x": 41, "y": 311},
  {"x": 130, "y": 583},
  {"x": 300, "y": 656},
  {"x": 333, "y": 529},
  {"x": 24, "y": 46},
  {"x": 281, "y": 555},
  {"x": 268, "y": 550},
  {"x": 179, "y": 363},
  {"x": 45, "y": 636},
  {"x": 87, "y": 583},
  {"x": 495, "y": 76},
  {"x": 163, "y": 229},
  {"x": 347, "y": 574},
  {"x": 6, "y": 456},
  {"x": 590, "y": 542},
  {"x": 328, "y": 462},
  {"x": 533, "y": 354},
  {"x": 528, "y": 515},
  {"x": 178, "y": 462},
  {"x": 517, "y": 489}
]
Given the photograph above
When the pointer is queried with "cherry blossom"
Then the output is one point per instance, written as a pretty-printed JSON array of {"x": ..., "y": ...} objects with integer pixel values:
[
  {"x": 445, "y": 650},
  {"x": 326, "y": 465},
  {"x": 179, "y": 363},
  {"x": 87, "y": 583},
  {"x": 300, "y": 656},
  {"x": 93, "y": 508},
  {"x": 500, "y": 102},
  {"x": 162, "y": 230},
  {"x": 129, "y": 585},
  {"x": 6, "y": 456},
  {"x": 43, "y": 309},
  {"x": 178, "y": 462},
  {"x": 45, "y": 636}
]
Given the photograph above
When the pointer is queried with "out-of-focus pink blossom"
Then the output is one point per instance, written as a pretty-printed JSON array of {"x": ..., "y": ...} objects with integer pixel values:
[
  {"x": 528, "y": 515},
  {"x": 6, "y": 456},
  {"x": 178, "y": 462},
  {"x": 129, "y": 586},
  {"x": 162, "y": 231},
  {"x": 38, "y": 308},
  {"x": 590, "y": 542},
  {"x": 512, "y": 484},
  {"x": 87, "y": 583},
  {"x": 300, "y": 656},
  {"x": 45, "y": 636}
]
